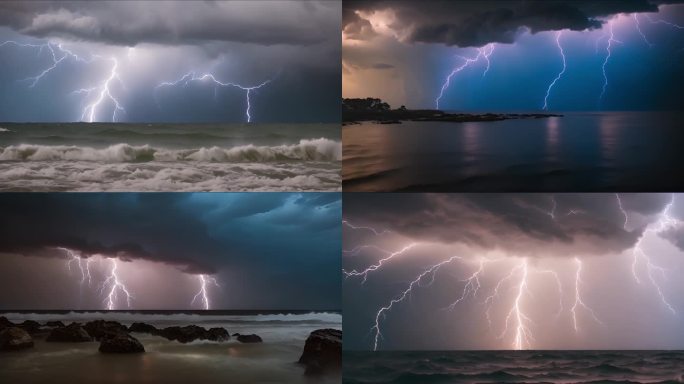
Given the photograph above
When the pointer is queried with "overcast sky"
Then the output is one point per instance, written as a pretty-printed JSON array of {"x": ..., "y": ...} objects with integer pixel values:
[
  {"x": 266, "y": 250},
  {"x": 627, "y": 299},
  {"x": 403, "y": 52},
  {"x": 79, "y": 45}
]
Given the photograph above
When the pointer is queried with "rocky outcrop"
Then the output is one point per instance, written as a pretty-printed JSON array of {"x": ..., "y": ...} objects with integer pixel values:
[
  {"x": 143, "y": 328},
  {"x": 98, "y": 329},
  {"x": 30, "y": 326},
  {"x": 218, "y": 334},
  {"x": 73, "y": 333},
  {"x": 249, "y": 338},
  {"x": 192, "y": 332},
  {"x": 322, "y": 352},
  {"x": 54, "y": 324},
  {"x": 5, "y": 323},
  {"x": 14, "y": 338},
  {"x": 120, "y": 343}
]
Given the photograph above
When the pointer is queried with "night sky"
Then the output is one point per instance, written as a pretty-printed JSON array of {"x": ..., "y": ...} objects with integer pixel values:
[
  {"x": 265, "y": 250},
  {"x": 79, "y": 47},
  {"x": 403, "y": 52},
  {"x": 581, "y": 271}
]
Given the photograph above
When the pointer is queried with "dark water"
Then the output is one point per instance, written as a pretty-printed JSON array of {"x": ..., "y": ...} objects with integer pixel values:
[
  {"x": 169, "y": 157},
  {"x": 608, "y": 151},
  {"x": 514, "y": 367}
]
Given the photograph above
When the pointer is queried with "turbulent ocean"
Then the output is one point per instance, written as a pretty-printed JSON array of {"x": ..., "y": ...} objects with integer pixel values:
[
  {"x": 581, "y": 151},
  {"x": 169, "y": 157},
  {"x": 514, "y": 367},
  {"x": 164, "y": 361}
]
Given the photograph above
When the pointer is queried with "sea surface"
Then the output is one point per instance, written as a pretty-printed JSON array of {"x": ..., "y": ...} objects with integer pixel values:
[
  {"x": 169, "y": 157},
  {"x": 164, "y": 361},
  {"x": 513, "y": 367},
  {"x": 596, "y": 151}
]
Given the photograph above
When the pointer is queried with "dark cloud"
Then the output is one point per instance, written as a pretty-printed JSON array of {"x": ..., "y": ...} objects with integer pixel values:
[
  {"x": 174, "y": 22},
  {"x": 196, "y": 233},
  {"x": 476, "y": 23},
  {"x": 520, "y": 224}
]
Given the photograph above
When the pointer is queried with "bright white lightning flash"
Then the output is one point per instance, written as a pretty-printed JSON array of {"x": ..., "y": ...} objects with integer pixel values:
[
  {"x": 665, "y": 221},
  {"x": 665, "y": 22},
  {"x": 103, "y": 94},
  {"x": 578, "y": 298},
  {"x": 83, "y": 266},
  {"x": 379, "y": 264},
  {"x": 523, "y": 337},
  {"x": 202, "y": 293},
  {"x": 609, "y": 45},
  {"x": 560, "y": 74},
  {"x": 375, "y": 231},
  {"x": 637, "y": 25},
  {"x": 191, "y": 76},
  {"x": 381, "y": 312},
  {"x": 115, "y": 287},
  {"x": 482, "y": 53}
]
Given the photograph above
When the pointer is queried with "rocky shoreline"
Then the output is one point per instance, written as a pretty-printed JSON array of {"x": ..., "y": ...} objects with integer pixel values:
[
  {"x": 322, "y": 351},
  {"x": 355, "y": 111}
]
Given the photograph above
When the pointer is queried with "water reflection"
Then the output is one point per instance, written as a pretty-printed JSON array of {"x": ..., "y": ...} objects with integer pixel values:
[
  {"x": 471, "y": 143},
  {"x": 609, "y": 127}
]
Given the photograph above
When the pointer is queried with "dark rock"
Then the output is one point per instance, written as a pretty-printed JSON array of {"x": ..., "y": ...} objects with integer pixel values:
[
  {"x": 99, "y": 329},
  {"x": 5, "y": 323},
  {"x": 143, "y": 328},
  {"x": 30, "y": 326},
  {"x": 183, "y": 334},
  {"x": 217, "y": 334},
  {"x": 120, "y": 343},
  {"x": 236, "y": 334},
  {"x": 249, "y": 338},
  {"x": 73, "y": 333},
  {"x": 14, "y": 338},
  {"x": 322, "y": 352},
  {"x": 54, "y": 324}
]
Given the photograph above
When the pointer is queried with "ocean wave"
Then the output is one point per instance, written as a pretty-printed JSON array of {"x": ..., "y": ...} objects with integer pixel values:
[
  {"x": 312, "y": 317},
  {"x": 5, "y": 130},
  {"x": 321, "y": 149}
]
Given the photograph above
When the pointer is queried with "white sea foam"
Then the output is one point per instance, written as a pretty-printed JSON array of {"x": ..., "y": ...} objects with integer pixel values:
[
  {"x": 4, "y": 130},
  {"x": 306, "y": 150}
]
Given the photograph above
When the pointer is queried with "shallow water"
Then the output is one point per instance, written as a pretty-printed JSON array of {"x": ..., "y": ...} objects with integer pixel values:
[
  {"x": 513, "y": 367},
  {"x": 273, "y": 361},
  {"x": 169, "y": 157},
  {"x": 607, "y": 151}
]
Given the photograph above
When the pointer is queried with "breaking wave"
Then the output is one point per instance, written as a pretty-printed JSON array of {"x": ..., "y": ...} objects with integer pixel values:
[{"x": 306, "y": 150}]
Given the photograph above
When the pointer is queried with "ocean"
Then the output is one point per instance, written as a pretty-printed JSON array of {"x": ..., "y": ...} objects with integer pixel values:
[
  {"x": 581, "y": 151},
  {"x": 273, "y": 361},
  {"x": 169, "y": 157},
  {"x": 513, "y": 367}
]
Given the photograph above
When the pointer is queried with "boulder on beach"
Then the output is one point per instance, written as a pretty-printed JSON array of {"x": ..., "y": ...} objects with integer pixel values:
[
  {"x": 143, "y": 328},
  {"x": 14, "y": 338},
  {"x": 183, "y": 334},
  {"x": 249, "y": 338},
  {"x": 120, "y": 343},
  {"x": 322, "y": 351},
  {"x": 54, "y": 324},
  {"x": 5, "y": 323},
  {"x": 217, "y": 334},
  {"x": 30, "y": 326},
  {"x": 98, "y": 329},
  {"x": 73, "y": 333}
]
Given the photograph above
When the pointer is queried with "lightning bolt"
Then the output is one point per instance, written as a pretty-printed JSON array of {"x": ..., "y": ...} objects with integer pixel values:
[
  {"x": 560, "y": 74},
  {"x": 637, "y": 25},
  {"x": 115, "y": 287},
  {"x": 375, "y": 231},
  {"x": 523, "y": 337},
  {"x": 192, "y": 76},
  {"x": 90, "y": 111},
  {"x": 365, "y": 272},
  {"x": 665, "y": 221},
  {"x": 472, "y": 284},
  {"x": 381, "y": 313},
  {"x": 73, "y": 258},
  {"x": 609, "y": 45},
  {"x": 204, "y": 280},
  {"x": 660, "y": 21},
  {"x": 578, "y": 298},
  {"x": 483, "y": 53}
]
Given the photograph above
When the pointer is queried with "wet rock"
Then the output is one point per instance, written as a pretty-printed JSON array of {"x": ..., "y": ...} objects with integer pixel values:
[
  {"x": 183, "y": 334},
  {"x": 14, "y": 338},
  {"x": 30, "y": 326},
  {"x": 143, "y": 328},
  {"x": 236, "y": 334},
  {"x": 217, "y": 334},
  {"x": 322, "y": 352},
  {"x": 249, "y": 338},
  {"x": 73, "y": 333},
  {"x": 54, "y": 324},
  {"x": 98, "y": 329},
  {"x": 120, "y": 343},
  {"x": 5, "y": 323}
]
